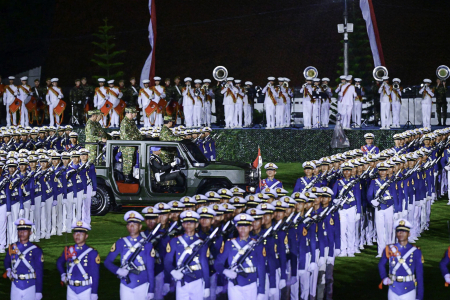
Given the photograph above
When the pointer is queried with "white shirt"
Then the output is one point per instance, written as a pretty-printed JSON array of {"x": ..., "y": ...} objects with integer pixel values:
[
  {"x": 385, "y": 91},
  {"x": 229, "y": 93},
  {"x": 350, "y": 94},
  {"x": 161, "y": 90},
  {"x": 25, "y": 93},
  {"x": 8, "y": 97},
  {"x": 307, "y": 93},
  {"x": 100, "y": 96},
  {"x": 54, "y": 93},
  {"x": 188, "y": 96},
  {"x": 114, "y": 95},
  {"x": 145, "y": 97},
  {"x": 267, "y": 99},
  {"x": 426, "y": 96}
]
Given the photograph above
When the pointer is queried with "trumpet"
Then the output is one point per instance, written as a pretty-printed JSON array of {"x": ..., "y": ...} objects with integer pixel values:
[
  {"x": 286, "y": 84},
  {"x": 197, "y": 92},
  {"x": 325, "y": 86},
  {"x": 396, "y": 85}
]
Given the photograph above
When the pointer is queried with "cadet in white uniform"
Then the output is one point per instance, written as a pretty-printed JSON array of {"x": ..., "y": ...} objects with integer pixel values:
[
  {"x": 25, "y": 94},
  {"x": 188, "y": 102},
  {"x": 316, "y": 102},
  {"x": 207, "y": 104},
  {"x": 396, "y": 96},
  {"x": 427, "y": 94},
  {"x": 229, "y": 101},
  {"x": 159, "y": 92},
  {"x": 287, "y": 109},
  {"x": 100, "y": 98},
  {"x": 326, "y": 103},
  {"x": 247, "y": 107},
  {"x": 239, "y": 106},
  {"x": 281, "y": 104},
  {"x": 348, "y": 95},
  {"x": 357, "y": 107},
  {"x": 144, "y": 99},
  {"x": 54, "y": 94},
  {"x": 113, "y": 95},
  {"x": 270, "y": 101},
  {"x": 198, "y": 104},
  {"x": 385, "y": 91},
  {"x": 338, "y": 91},
  {"x": 307, "y": 91},
  {"x": 10, "y": 94}
]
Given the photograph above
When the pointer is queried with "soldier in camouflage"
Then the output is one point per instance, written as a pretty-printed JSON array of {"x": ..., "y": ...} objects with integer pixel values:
[
  {"x": 77, "y": 100},
  {"x": 167, "y": 135},
  {"x": 129, "y": 131},
  {"x": 94, "y": 134}
]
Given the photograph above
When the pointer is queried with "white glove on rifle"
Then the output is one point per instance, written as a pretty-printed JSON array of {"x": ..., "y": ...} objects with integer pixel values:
[
  {"x": 375, "y": 202},
  {"x": 272, "y": 292},
  {"x": 260, "y": 297},
  {"x": 8, "y": 214},
  {"x": 282, "y": 284},
  {"x": 94, "y": 193},
  {"x": 42, "y": 203},
  {"x": 219, "y": 290},
  {"x": 447, "y": 278},
  {"x": 38, "y": 296},
  {"x": 178, "y": 275},
  {"x": 63, "y": 277},
  {"x": 122, "y": 272},
  {"x": 230, "y": 274},
  {"x": 447, "y": 168},
  {"x": 32, "y": 207},
  {"x": 292, "y": 281},
  {"x": 21, "y": 213},
  {"x": 337, "y": 252},
  {"x": 330, "y": 260},
  {"x": 322, "y": 261},
  {"x": 312, "y": 267},
  {"x": 8, "y": 273},
  {"x": 173, "y": 164},
  {"x": 55, "y": 202}
]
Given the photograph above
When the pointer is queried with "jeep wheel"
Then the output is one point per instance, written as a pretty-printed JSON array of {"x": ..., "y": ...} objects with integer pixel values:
[{"x": 101, "y": 202}]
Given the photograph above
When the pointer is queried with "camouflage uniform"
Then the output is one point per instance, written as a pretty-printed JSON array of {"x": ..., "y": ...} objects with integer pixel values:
[
  {"x": 94, "y": 133},
  {"x": 77, "y": 100},
  {"x": 166, "y": 135},
  {"x": 128, "y": 131}
]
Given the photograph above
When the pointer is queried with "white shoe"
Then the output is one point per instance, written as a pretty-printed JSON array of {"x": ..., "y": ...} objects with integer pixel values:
[
  {"x": 369, "y": 243},
  {"x": 351, "y": 255},
  {"x": 2, "y": 249},
  {"x": 343, "y": 254},
  {"x": 357, "y": 251},
  {"x": 378, "y": 256}
]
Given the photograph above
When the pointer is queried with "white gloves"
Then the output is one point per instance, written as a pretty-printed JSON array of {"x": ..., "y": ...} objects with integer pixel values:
[
  {"x": 292, "y": 281},
  {"x": 150, "y": 296},
  {"x": 94, "y": 193},
  {"x": 358, "y": 217},
  {"x": 387, "y": 281},
  {"x": 42, "y": 203},
  {"x": 337, "y": 252},
  {"x": 32, "y": 208},
  {"x": 312, "y": 267},
  {"x": 206, "y": 293},
  {"x": 94, "y": 296},
  {"x": 166, "y": 289},
  {"x": 375, "y": 202},
  {"x": 396, "y": 216},
  {"x": 173, "y": 164},
  {"x": 64, "y": 201},
  {"x": 38, "y": 296},
  {"x": 178, "y": 275},
  {"x": 330, "y": 260},
  {"x": 122, "y": 272},
  {"x": 322, "y": 261},
  {"x": 219, "y": 290},
  {"x": 273, "y": 291},
  {"x": 63, "y": 277},
  {"x": 447, "y": 168},
  {"x": 282, "y": 284},
  {"x": 447, "y": 278},
  {"x": 55, "y": 202},
  {"x": 261, "y": 297},
  {"x": 404, "y": 213},
  {"x": 21, "y": 213},
  {"x": 8, "y": 273},
  {"x": 230, "y": 274}
]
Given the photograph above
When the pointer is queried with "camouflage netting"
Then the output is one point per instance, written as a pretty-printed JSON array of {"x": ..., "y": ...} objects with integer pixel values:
[{"x": 285, "y": 145}]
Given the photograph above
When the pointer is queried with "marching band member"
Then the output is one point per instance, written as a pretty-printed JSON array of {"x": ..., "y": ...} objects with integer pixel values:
[
  {"x": 229, "y": 101},
  {"x": 326, "y": 103},
  {"x": 113, "y": 95},
  {"x": 159, "y": 93},
  {"x": 209, "y": 94},
  {"x": 270, "y": 102},
  {"x": 307, "y": 91},
  {"x": 10, "y": 94},
  {"x": 385, "y": 91},
  {"x": 239, "y": 106},
  {"x": 54, "y": 94},
  {"x": 100, "y": 98},
  {"x": 248, "y": 104},
  {"x": 199, "y": 99},
  {"x": 188, "y": 102},
  {"x": 316, "y": 103},
  {"x": 289, "y": 97},
  {"x": 427, "y": 93},
  {"x": 338, "y": 91},
  {"x": 145, "y": 98},
  {"x": 357, "y": 107},
  {"x": 25, "y": 94},
  {"x": 281, "y": 104},
  {"x": 396, "y": 96},
  {"x": 348, "y": 95}
]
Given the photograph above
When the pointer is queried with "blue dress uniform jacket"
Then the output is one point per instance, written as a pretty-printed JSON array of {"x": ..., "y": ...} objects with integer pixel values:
[
  {"x": 445, "y": 261},
  {"x": 208, "y": 148},
  {"x": 403, "y": 261},
  {"x": 306, "y": 244},
  {"x": 12, "y": 195},
  {"x": 160, "y": 249},
  {"x": 56, "y": 183},
  {"x": 370, "y": 149},
  {"x": 390, "y": 193},
  {"x": 89, "y": 177},
  {"x": 25, "y": 276},
  {"x": 326, "y": 234},
  {"x": 145, "y": 261},
  {"x": 271, "y": 262},
  {"x": 82, "y": 268},
  {"x": 255, "y": 263},
  {"x": 70, "y": 183},
  {"x": 267, "y": 183},
  {"x": 304, "y": 182},
  {"x": 175, "y": 257},
  {"x": 214, "y": 248},
  {"x": 355, "y": 193}
]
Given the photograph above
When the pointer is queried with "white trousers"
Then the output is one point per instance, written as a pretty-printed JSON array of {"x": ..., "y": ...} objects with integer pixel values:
[
  {"x": 68, "y": 216},
  {"x": 277, "y": 283},
  {"x": 304, "y": 277},
  {"x": 207, "y": 113},
  {"x": 229, "y": 114},
  {"x": 35, "y": 217},
  {"x": 27, "y": 294},
  {"x": 86, "y": 214},
  {"x": 396, "y": 107},
  {"x": 197, "y": 116},
  {"x": 2, "y": 226},
  {"x": 385, "y": 108},
  {"x": 146, "y": 119},
  {"x": 85, "y": 295},
  {"x": 237, "y": 117},
  {"x": 426, "y": 114},
  {"x": 114, "y": 118},
  {"x": 307, "y": 112},
  {"x": 316, "y": 114},
  {"x": 270, "y": 115},
  {"x": 57, "y": 216},
  {"x": 51, "y": 107},
  {"x": 287, "y": 113},
  {"x": 383, "y": 223},
  {"x": 24, "y": 120},
  {"x": 188, "y": 115},
  {"x": 139, "y": 292},
  {"x": 356, "y": 115},
  {"x": 279, "y": 114},
  {"x": 190, "y": 291},
  {"x": 26, "y": 210},
  {"x": 348, "y": 220},
  {"x": 79, "y": 206},
  {"x": 240, "y": 292},
  {"x": 12, "y": 230},
  {"x": 8, "y": 117},
  {"x": 325, "y": 113},
  {"x": 247, "y": 115},
  {"x": 46, "y": 218},
  {"x": 408, "y": 296},
  {"x": 213, "y": 287},
  {"x": 346, "y": 115}
]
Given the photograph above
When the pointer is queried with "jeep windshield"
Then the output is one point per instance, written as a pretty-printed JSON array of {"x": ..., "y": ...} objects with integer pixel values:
[{"x": 193, "y": 152}]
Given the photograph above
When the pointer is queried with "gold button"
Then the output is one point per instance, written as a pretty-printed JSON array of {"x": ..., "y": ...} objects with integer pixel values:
[{"x": 138, "y": 281}]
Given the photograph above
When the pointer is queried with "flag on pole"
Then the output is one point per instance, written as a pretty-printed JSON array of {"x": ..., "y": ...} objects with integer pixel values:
[
  {"x": 148, "y": 71},
  {"x": 258, "y": 161},
  {"x": 372, "y": 31}
]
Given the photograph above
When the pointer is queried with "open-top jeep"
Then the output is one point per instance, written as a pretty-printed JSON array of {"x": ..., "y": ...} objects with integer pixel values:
[{"x": 200, "y": 176}]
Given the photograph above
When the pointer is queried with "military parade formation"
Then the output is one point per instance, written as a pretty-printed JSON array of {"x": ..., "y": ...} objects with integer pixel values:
[{"x": 226, "y": 243}]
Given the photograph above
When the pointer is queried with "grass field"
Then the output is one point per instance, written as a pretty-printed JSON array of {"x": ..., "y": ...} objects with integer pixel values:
[{"x": 354, "y": 277}]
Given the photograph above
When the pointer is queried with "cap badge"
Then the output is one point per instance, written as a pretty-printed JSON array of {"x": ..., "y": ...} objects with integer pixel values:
[
  {"x": 189, "y": 214},
  {"x": 161, "y": 206},
  {"x": 22, "y": 222},
  {"x": 204, "y": 210},
  {"x": 79, "y": 223},
  {"x": 132, "y": 215}
]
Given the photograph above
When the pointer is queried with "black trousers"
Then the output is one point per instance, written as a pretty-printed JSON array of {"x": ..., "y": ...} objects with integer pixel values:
[{"x": 173, "y": 176}]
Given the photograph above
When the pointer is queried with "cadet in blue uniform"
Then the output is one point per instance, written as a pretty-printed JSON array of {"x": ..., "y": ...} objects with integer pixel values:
[
  {"x": 24, "y": 264},
  {"x": 251, "y": 286},
  {"x": 79, "y": 265},
  {"x": 405, "y": 263},
  {"x": 369, "y": 148},
  {"x": 208, "y": 144},
  {"x": 445, "y": 261},
  {"x": 305, "y": 183},
  {"x": 270, "y": 181},
  {"x": 13, "y": 201},
  {"x": 142, "y": 285},
  {"x": 196, "y": 286}
]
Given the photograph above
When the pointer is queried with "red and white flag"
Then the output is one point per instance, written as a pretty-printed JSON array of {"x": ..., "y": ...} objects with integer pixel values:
[
  {"x": 148, "y": 71},
  {"x": 372, "y": 31},
  {"x": 258, "y": 161}
]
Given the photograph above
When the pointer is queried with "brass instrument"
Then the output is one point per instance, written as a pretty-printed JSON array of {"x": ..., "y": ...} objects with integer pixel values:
[
  {"x": 443, "y": 72},
  {"x": 220, "y": 73},
  {"x": 310, "y": 72},
  {"x": 286, "y": 84},
  {"x": 325, "y": 86},
  {"x": 197, "y": 92},
  {"x": 379, "y": 72},
  {"x": 396, "y": 85}
]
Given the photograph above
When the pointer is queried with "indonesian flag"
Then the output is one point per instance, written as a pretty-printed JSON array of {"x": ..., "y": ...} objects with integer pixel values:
[
  {"x": 148, "y": 71},
  {"x": 372, "y": 31},
  {"x": 258, "y": 161}
]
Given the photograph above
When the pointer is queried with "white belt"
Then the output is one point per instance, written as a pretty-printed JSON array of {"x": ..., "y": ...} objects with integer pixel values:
[
  {"x": 80, "y": 282},
  {"x": 407, "y": 278},
  {"x": 249, "y": 270},
  {"x": 196, "y": 267},
  {"x": 24, "y": 276}
]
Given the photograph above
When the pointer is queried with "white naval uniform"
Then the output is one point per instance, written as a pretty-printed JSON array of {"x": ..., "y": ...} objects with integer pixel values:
[
  {"x": 316, "y": 107},
  {"x": 270, "y": 102},
  {"x": 229, "y": 101},
  {"x": 385, "y": 91},
  {"x": 325, "y": 108},
  {"x": 114, "y": 95},
  {"x": 157, "y": 118},
  {"x": 357, "y": 107},
  {"x": 100, "y": 100},
  {"x": 25, "y": 94},
  {"x": 3, "y": 221},
  {"x": 307, "y": 105},
  {"x": 247, "y": 111},
  {"x": 396, "y": 96},
  {"x": 54, "y": 94},
  {"x": 348, "y": 94},
  {"x": 144, "y": 99},
  {"x": 287, "y": 110},
  {"x": 10, "y": 94},
  {"x": 188, "y": 106},
  {"x": 207, "y": 105},
  {"x": 427, "y": 94},
  {"x": 238, "y": 107},
  {"x": 198, "y": 109},
  {"x": 280, "y": 108}
]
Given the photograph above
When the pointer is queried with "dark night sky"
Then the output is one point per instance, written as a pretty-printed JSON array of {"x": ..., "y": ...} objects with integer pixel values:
[{"x": 253, "y": 39}]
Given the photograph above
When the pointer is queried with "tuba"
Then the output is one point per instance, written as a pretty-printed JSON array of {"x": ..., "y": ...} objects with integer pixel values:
[
  {"x": 443, "y": 72},
  {"x": 220, "y": 73},
  {"x": 379, "y": 72},
  {"x": 310, "y": 72}
]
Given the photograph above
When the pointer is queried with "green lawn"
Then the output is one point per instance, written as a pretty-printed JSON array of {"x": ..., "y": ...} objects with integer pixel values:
[{"x": 357, "y": 277}]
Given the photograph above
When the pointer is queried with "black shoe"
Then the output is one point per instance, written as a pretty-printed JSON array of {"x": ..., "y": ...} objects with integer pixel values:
[{"x": 129, "y": 179}]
